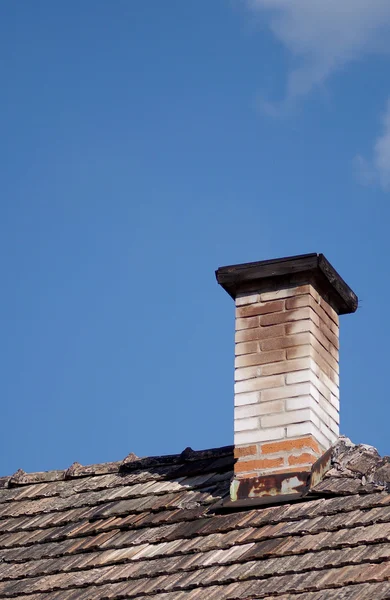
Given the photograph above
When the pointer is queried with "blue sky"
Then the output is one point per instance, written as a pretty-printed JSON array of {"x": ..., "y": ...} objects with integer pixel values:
[{"x": 144, "y": 144}]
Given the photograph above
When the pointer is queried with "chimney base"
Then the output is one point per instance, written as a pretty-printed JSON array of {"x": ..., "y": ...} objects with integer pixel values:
[{"x": 283, "y": 456}]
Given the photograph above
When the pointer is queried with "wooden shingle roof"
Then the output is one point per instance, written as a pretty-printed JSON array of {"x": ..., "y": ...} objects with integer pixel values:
[{"x": 155, "y": 528}]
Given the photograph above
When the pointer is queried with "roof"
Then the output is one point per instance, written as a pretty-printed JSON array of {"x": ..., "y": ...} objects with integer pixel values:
[{"x": 155, "y": 528}]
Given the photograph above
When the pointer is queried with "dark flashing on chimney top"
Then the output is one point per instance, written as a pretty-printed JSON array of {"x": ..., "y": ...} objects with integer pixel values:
[{"x": 309, "y": 267}]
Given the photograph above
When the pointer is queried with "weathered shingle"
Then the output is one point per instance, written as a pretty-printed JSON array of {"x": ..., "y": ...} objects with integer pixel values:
[{"x": 153, "y": 528}]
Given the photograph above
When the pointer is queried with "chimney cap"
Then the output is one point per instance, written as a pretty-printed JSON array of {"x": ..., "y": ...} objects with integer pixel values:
[{"x": 233, "y": 278}]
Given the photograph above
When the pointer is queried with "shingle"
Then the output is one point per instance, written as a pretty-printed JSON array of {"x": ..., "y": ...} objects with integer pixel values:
[
  {"x": 365, "y": 591},
  {"x": 148, "y": 530}
]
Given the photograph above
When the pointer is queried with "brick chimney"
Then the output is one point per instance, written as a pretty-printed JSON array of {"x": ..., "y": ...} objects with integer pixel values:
[{"x": 286, "y": 392}]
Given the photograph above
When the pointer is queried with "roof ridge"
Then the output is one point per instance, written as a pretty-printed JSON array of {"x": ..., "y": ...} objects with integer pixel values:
[
  {"x": 346, "y": 460},
  {"x": 130, "y": 463}
]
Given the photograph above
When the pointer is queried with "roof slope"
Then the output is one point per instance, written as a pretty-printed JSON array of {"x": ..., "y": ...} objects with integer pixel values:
[{"x": 148, "y": 528}]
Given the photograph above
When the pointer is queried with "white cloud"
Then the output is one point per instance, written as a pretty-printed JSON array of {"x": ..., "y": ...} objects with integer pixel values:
[
  {"x": 323, "y": 36},
  {"x": 377, "y": 169}
]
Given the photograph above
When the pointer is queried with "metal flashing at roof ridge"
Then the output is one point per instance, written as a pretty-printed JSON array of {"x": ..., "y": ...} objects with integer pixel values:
[{"x": 361, "y": 465}]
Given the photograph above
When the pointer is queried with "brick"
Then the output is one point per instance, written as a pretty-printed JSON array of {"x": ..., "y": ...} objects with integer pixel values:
[
  {"x": 324, "y": 416},
  {"x": 302, "y": 402},
  {"x": 328, "y": 423},
  {"x": 318, "y": 353},
  {"x": 263, "y": 308},
  {"x": 325, "y": 368},
  {"x": 302, "y": 459},
  {"x": 285, "y": 366},
  {"x": 245, "y": 451},
  {"x": 259, "y": 333},
  {"x": 328, "y": 407},
  {"x": 259, "y": 358},
  {"x": 300, "y": 315},
  {"x": 246, "y": 424},
  {"x": 285, "y": 293},
  {"x": 260, "y": 383},
  {"x": 308, "y": 325},
  {"x": 261, "y": 408},
  {"x": 286, "y": 418},
  {"x": 299, "y": 327},
  {"x": 326, "y": 355},
  {"x": 334, "y": 388},
  {"x": 242, "y": 299},
  {"x": 291, "y": 445},
  {"x": 299, "y": 376},
  {"x": 332, "y": 314},
  {"x": 258, "y": 435},
  {"x": 299, "y": 402},
  {"x": 309, "y": 351},
  {"x": 246, "y": 411},
  {"x": 249, "y": 398},
  {"x": 257, "y": 464},
  {"x": 285, "y": 317},
  {"x": 297, "y": 302},
  {"x": 247, "y": 323},
  {"x": 324, "y": 341},
  {"x": 303, "y": 429},
  {"x": 335, "y": 401},
  {"x": 331, "y": 435},
  {"x": 335, "y": 428},
  {"x": 292, "y": 469},
  {"x": 285, "y": 341},
  {"x": 322, "y": 382},
  {"x": 314, "y": 393},
  {"x": 287, "y": 391},
  {"x": 317, "y": 387},
  {"x": 313, "y": 292},
  {"x": 247, "y": 373},
  {"x": 334, "y": 339},
  {"x": 326, "y": 432},
  {"x": 323, "y": 358},
  {"x": 247, "y": 348},
  {"x": 324, "y": 317},
  {"x": 298, "y": 351},
  {"x": 308, "y": 300}
]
